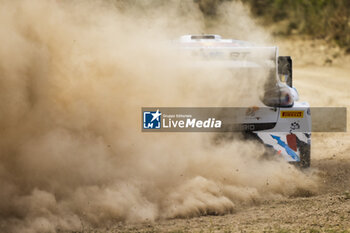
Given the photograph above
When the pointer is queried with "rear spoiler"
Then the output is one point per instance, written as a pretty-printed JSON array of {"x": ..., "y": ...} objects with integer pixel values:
[
  {"x": 246, "y": 56},
  {"x": 243, "y": 57}
]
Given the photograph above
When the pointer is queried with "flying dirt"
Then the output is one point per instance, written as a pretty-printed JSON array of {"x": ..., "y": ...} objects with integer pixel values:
[
  {"x": 73, "y": 78},
  {"x": 329, "y": 209}
]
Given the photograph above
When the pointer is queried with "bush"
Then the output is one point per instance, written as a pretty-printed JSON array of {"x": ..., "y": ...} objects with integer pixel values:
[{"x": 327, "y": 19}]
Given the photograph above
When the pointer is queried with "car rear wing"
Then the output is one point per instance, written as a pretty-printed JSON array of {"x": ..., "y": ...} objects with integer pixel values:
[
  {"x": 234, "y": 56},
  {"x": 222, "y": 55}
]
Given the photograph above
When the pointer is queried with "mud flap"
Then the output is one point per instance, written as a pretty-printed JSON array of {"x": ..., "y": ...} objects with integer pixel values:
[{"x": 305, "y": 152}]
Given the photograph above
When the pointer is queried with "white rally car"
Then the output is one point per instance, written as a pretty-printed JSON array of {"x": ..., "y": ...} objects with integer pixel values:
[{"x": 279, "y": 120}]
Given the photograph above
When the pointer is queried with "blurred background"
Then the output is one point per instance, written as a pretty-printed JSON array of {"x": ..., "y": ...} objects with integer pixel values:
[{"x": 318, "y": 19}]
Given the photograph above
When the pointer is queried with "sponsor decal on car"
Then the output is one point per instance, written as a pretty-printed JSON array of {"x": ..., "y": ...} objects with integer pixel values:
[
  {"x": 289, "y": 150},
  {"x": 292, "y": 114}
]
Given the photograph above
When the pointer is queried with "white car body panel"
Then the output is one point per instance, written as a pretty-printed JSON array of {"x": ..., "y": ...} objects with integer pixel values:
[{"x": 290, "y": 130}]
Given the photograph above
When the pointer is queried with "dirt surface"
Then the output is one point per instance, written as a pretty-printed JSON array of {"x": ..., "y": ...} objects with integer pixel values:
[
  {"x": 327, "y": 211},
  {"x": 73, "y": 78}
]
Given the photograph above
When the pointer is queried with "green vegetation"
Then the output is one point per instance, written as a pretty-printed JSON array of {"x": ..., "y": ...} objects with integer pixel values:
[
  {"x": 322, "y": 19},
  {"x": 326, "y": 19}
]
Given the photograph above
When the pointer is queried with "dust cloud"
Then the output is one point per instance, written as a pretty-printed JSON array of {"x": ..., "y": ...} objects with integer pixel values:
[{"x": 73, "y": 78}]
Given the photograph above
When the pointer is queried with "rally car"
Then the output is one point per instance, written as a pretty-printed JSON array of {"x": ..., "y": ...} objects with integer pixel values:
[{"x": 279, "y": 120}]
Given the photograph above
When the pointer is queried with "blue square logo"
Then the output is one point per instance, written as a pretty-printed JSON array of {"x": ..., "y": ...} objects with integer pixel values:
[{"x": 152, "y": 120}]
